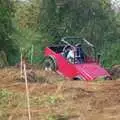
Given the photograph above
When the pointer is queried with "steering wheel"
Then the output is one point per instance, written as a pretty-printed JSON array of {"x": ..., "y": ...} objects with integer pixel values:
[
  {"x": 67, "y": 47},
  {"x": 66, "y": 50}
]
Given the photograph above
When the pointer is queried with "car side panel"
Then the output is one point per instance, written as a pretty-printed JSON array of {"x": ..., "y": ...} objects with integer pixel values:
[
  {"x": 88, "y": 71},
  {"x": 64, "y": 67}
]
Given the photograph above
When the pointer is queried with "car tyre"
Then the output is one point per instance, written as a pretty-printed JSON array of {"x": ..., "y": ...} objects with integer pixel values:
[
  {"x": 49, "y": 64},
  {"x": 77, "y": 78},
  {"x": 107, "y": 78}
]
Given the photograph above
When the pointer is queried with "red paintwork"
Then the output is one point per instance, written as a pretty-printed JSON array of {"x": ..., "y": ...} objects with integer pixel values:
[{"x": 90, "y": 70}]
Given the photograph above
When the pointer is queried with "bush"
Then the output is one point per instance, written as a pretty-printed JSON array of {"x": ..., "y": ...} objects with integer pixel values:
[{"x": 111, "y": 55}]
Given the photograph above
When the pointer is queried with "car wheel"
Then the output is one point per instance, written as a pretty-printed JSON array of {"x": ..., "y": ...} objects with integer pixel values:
[
  {"x": 77, "y": 78},
  {"x": 107, "y": 78},
  {"x": 49, "y": 64}
]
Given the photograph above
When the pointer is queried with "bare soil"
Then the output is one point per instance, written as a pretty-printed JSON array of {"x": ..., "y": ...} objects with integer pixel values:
[{"x": 68, "y": 100}]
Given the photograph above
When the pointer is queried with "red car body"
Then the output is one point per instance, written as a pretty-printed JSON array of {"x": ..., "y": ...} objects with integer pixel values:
[{"x": 89, "y": 70}]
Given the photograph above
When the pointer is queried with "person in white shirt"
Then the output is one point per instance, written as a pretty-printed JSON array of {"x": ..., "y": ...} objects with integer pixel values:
[{"x": 70, "y": 55}]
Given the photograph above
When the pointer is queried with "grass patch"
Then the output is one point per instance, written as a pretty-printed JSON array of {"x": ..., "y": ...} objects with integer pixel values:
[
  {"x": 9, "y": 101},
  {"x": 42, "y": 101},
  {"x": 57, "y": 117}
]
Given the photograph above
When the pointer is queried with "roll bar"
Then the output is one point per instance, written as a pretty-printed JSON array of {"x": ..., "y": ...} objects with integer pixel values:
[
  {"x": 90, "y": 44},
  {"x": 86, "y": 41},
  {"x": 63, "y": 40}
]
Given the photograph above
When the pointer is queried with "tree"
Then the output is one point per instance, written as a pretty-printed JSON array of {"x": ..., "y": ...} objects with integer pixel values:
[
  {"x": 6, "y": 43},
  {"x": 53, "y": 19}
]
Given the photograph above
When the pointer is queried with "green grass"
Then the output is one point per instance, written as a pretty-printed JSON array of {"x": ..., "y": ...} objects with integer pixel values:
[
  {"x": 9, "y": 101},
  {"x": 57, "y": 117}
]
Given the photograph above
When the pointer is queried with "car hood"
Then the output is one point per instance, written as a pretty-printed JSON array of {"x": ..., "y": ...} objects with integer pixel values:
[{"x": 91, "y": 71}]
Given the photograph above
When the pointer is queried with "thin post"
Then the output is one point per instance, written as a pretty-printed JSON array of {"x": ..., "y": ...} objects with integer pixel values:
[
  {"x": 21, "y": 64},
  {"x": 32, "y": 50},
  {"x": 27, "y": 92}
]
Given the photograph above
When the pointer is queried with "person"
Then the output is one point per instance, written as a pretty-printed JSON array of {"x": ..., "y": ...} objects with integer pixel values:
[{"x": 70, "y": 55}]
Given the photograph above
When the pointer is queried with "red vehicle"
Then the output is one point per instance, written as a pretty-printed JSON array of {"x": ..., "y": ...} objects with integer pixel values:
[{"x": 75, "y": 61}]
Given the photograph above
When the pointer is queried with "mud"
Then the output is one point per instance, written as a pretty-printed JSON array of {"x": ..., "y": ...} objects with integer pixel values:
[{"x": 97, "y": 100}]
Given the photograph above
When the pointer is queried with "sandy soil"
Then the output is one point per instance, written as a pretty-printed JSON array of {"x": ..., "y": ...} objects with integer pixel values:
[{"x": 79, "y": 100}]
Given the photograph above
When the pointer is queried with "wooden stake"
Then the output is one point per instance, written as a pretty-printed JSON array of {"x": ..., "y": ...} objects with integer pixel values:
[{"x": 27, "y": 92}]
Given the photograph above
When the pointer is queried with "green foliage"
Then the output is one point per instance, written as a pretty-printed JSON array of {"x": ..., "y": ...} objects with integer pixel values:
[
  {"x": 26, "y": 13},
  {"x": 26, "y": 38},
  {"x": 86, "y": 18},
  {"x": 111, "y": 55},
  {"x": 4, "y": 96},
  {"x": 43, "y": 22},
  {"x": 91, "y": 19},
  {"x": 26, "y": 22},
  {"x": 52, "y": 99},
  {"x": 6, "y": 43},
  {"x": 57, "y": 117}
]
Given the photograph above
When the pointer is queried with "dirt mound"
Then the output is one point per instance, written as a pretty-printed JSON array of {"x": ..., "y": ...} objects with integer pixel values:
[
  {"x": 13, "y": 75},
  {"x": 115, "y": 71}
]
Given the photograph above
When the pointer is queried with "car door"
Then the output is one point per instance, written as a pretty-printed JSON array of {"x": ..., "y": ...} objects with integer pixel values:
[{"x": 66, "y": 68}]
